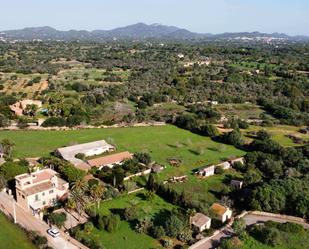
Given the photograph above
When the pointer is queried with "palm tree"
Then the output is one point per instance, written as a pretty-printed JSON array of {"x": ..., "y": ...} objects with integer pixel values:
[
  {"x": 7, "y": 147},
  {"x": 96, "y": 192},
  {"x": 77, "y": 201},
  {"x": 80, "y": 185}
]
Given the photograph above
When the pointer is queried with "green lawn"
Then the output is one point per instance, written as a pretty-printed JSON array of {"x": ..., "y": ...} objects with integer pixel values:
[
  {"x": 161, "y": 142},
  {"x": 12, "y": 237},
  {"x": 205, "y": 191},
  {"x": 125, "y": 234}
]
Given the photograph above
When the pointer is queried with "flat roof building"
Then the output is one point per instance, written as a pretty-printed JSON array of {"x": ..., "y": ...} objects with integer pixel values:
[
  {"x": 40, "y": 189},
  {"x": 88, "y": 149}
]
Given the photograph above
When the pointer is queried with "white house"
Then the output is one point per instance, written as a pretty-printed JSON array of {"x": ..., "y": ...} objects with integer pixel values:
[
  {"x": 40, "y": 189},
  {"x": 221, "y": 212},
  {"x": 200, "y": 221}
]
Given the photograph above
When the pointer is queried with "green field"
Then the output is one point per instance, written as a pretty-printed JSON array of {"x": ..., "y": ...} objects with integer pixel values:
[
  {"x": 12, "y": 237},
  {"x": 279, "y": 133},
  {"x": 125, "y": 234},
  {"x": 242, "y": 111},
  {"x": 162, "y": 142}
]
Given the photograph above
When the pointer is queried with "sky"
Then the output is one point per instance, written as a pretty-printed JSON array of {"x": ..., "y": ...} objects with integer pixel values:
[{"x": 204, "y": 16}]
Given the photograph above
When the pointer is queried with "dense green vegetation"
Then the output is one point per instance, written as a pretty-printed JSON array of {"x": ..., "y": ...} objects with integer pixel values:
[{"x": 82, "y": 83}]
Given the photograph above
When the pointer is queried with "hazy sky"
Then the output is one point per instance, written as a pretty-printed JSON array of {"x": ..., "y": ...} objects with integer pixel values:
[{"x": 214, "y": 16}]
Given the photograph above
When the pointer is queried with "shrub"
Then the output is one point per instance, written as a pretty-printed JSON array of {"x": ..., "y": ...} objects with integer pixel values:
[
  {"x": 54, "y": 121},
  {"x": 58, "y": 219},
  {"x": 158, "y": 232},
  {"x": 88, "y": 227}
]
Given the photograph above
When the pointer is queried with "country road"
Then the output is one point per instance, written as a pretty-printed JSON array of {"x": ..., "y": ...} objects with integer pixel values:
[
  {"x": 250, "y": 219},
  {"x": 28, "y": 221}
]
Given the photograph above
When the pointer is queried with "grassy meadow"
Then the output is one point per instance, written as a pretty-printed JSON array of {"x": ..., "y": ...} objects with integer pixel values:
[
  {"x": 11, "y": 236},
  {"x": 125, "y": 234},
  {"x": 162, "y": 142}
]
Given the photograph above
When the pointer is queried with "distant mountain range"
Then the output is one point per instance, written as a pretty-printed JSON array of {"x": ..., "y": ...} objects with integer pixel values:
[{"x": 139, "y": 31}]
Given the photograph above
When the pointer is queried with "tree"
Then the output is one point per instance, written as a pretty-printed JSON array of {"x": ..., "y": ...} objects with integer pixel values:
[
  {"x": 3, "y": 182},
  {"x": 173, "y": 225},
  {"x": 7, "y": 147},
  {"x": 96, "y": 192},
  {"x": 58, "y": 219},
  {"x": 30, "y": 110},
  {"x": 239, "y": 226},
  {"x": 158, "y": 232},
  {"x": 210, "y": 130}
]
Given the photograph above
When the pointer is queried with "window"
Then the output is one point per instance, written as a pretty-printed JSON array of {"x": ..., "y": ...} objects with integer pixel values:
[
  {"x": 43, "y": 194},
  {"x": 36, "y": 197},
  {"x": 51, "y": 191},
  {"x": 44, "y": 202},
  {"x": 23, "y": 196}
]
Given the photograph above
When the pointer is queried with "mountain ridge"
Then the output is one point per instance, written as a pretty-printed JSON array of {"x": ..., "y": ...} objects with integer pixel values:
[{"x": 138, "y": 31}]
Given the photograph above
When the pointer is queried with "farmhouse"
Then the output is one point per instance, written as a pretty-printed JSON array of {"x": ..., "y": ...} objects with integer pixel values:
[
  {"x": 110, "y": 160},
  {"x": 221, "y": 212},
  {"x": 88, "y": 149},
  {"x": 200, "y": 221},
  {"x": 20, "y": 106},
  {"x": 209, "y": 171},
  {"x": 40, "y": 189}
]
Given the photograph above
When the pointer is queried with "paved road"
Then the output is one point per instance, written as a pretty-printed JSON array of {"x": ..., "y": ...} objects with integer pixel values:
[
  {"x": 215, "y": 241},
  {"x": 31, "y": 223},
  {"x": 250, "y": 219}
]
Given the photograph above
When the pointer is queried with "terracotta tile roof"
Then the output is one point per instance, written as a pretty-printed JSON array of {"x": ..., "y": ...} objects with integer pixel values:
[
  {"x": 218, "y": 209},
  {"x": 110, "y": 159}
]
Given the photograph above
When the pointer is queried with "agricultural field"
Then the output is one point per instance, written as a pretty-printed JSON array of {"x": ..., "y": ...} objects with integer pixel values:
[
  {"x": 11, "y": 236},
  {"x": 242, "y": 111},
  {"x": 125, "y": 234},
  {"x": 162, "y": 142},
  {"x": 91, "y": 76},
  {"x": 25, "y": 85},
  {"x": 279, "y": 133}
]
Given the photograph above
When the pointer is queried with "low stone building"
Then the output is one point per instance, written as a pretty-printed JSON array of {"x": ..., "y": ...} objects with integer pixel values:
[
  {"x": 221, "y": 212},
  {"x": 208, "y": 171},
  {"x": 200, "y": 221},
  {"x": 237, "y": 184}
]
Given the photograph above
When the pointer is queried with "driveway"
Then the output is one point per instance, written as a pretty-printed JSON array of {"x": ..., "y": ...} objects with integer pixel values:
[{"x": 28, "y": 221}]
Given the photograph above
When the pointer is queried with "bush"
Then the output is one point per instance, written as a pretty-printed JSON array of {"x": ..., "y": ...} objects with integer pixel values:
[
  {"x": 167, "y": 243},
  {"x": 219, "y": 170},
  {"x": 173, "y": 226},
  {"x": 88, "y": 227},
  {"x": 58, "y": 219},
  {"x": 54, "y": 121},
  {"x": 158, "y": 232}
]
